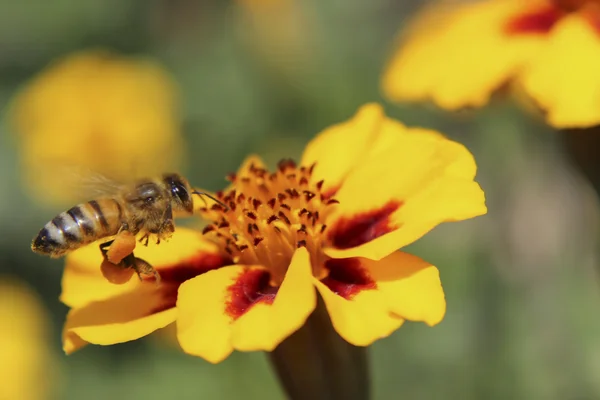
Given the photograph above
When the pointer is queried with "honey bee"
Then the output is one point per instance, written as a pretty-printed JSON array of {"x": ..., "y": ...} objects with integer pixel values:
[{"x": 145, "y": 207}]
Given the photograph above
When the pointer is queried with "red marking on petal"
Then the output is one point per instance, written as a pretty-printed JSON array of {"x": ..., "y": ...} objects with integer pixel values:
[
  {"x": 250, "y": 288},
  {"x": 347, "y": 277},
  {"x": 591, "y": 13},
  {"x": 539, "y": 21},
  {"x": 348, "y": 232},
  {"x": 172, "y": 276}
]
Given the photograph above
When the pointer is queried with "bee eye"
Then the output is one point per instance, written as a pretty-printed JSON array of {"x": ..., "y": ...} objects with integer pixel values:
[{"x": 149, "y": 200}]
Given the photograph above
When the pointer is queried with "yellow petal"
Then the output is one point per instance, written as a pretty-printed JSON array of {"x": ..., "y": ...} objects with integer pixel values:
[
  {"x": 457, "y": 55},
  {"x": 361, "y": 320},
  {"x": 563, "y": 77},
  {"x": 203, "y": 326},
  {"x": 411, "y": 287},
  {"x": 355, "y": 135},
  {"x": 410, "y": 181},
  {"x": 207, "y": 328},
  {"x": 264, "y": 326},
  {"x": 118, "y": 319},
  {"x": 83, "y": 282}
]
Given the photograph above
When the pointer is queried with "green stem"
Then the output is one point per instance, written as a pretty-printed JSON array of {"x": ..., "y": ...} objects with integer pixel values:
[
  {"x": 316, "y": 363},
  {"x": 583, "y": 148}
]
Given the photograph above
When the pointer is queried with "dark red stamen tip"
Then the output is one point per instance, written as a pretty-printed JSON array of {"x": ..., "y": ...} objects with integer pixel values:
[
  {"x": 308, "y": 196},
  {"x": 359, "y": 229},
  {"x": 293, "y": 193},
  {"x": 256, "y": 203},
  {"x": 329, "y": 193},
  {"x": 224, "y": 224},
  {"x": 208, "y": 228},
  {"x": 281, "y": 197},
  {"x": 332, "y": 201},
  {"x": 216, "y": 207},
  {"x": 284, "y": 217},
  {"x": 301, "y": 243},
  {"x": 257, "y": 241},
  {"x": 231, "y": 177},
  {"x": 271, "y": 219},
  {"x": 287, "y": 207},
  {"x": 251, "y": 215},
  {"x": 260, "y": 172},
  {"x": 285, "y": 164},
  {"x": 271, "y": 203},
  {"x": 303, "y": 181}
]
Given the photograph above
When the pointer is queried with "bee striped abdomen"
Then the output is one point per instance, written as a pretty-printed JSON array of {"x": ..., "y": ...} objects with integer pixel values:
[{"x": 78, "y": 226}]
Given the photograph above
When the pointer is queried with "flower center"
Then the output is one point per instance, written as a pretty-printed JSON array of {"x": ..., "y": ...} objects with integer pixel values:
[{"x": 269, "y": 216}]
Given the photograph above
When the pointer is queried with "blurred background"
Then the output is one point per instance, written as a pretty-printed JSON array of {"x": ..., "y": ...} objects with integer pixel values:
[{"x": 196, "y": 86}]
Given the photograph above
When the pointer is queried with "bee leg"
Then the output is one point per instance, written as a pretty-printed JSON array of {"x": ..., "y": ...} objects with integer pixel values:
[
  {"x": 141, "y": 267},
  {"x": 104, "y": 247},
  {"x": 167, "y": 226},
  {"x": 145, "y": 239}
]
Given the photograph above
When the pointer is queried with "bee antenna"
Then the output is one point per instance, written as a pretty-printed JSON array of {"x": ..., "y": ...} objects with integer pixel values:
[{"x": 210, "y": 197}]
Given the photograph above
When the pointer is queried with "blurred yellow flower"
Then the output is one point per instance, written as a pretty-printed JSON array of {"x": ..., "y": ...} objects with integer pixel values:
[
  {"x": 100, "y": 112},
  {"x": 332, "y": 225},
  {"x": 279, "y": 32},
  {"x": 458, "y": 54},
  {"x": 27, "y": 370}
]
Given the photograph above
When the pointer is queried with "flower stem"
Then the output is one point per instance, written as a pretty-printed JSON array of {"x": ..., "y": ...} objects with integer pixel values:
[
  {"x": 316, "y": 363},
  {"x": 583, "y": 149}
]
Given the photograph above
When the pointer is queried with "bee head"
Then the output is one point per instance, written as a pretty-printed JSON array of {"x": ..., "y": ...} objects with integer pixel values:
[
  {"x": 180, "y": 192},
  {"x": 146, "y": 195}
]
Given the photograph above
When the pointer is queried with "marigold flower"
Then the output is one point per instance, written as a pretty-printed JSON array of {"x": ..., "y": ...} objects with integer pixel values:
[
  {"x": 458, "y": 54},
  {"x": 95, "y": 111},
  {"x": 331, "y": 225},
  {"x": 27, "y": 366}
]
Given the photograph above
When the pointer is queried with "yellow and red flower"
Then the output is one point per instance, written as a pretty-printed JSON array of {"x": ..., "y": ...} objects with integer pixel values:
[
  {"x": 29, "y": 369},
  {"x": 98, "y": 111},
  {"x": 457, "y": 55},
  {"x": 332, "y": 225}
]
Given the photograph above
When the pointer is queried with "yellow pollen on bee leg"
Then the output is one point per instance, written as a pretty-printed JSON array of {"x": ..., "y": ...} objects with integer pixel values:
[{"x": 270, "y": 215}]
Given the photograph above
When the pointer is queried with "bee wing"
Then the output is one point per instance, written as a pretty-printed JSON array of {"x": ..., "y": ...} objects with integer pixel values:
[{"x": 85, "y": 184}]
